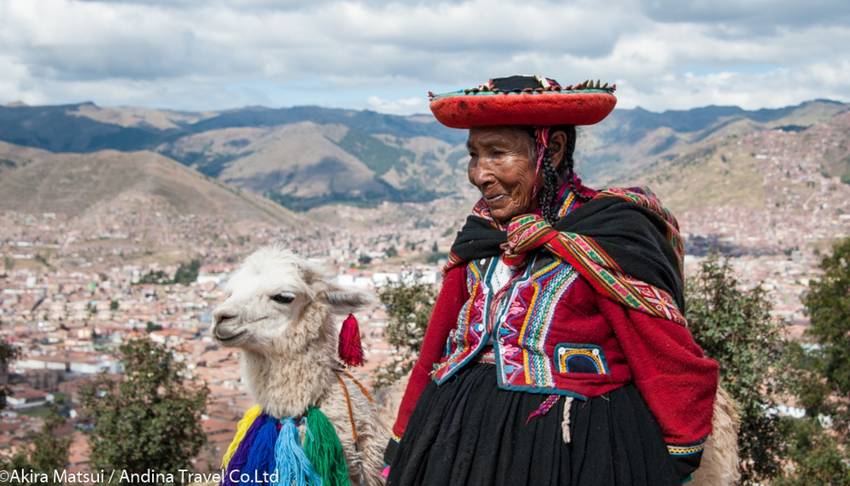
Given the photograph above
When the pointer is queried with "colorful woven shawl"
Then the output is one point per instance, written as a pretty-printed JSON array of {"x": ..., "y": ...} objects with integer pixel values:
[
  {"x": 268, "y": 451},
  {"x": 623, "y": 241}
]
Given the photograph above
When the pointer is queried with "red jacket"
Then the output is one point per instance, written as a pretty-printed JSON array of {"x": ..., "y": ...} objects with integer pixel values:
[{"x": 658, "y": 355}]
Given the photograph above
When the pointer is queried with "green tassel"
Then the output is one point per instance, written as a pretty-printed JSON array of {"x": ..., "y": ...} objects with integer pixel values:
[{"x": 324, "y": 450}]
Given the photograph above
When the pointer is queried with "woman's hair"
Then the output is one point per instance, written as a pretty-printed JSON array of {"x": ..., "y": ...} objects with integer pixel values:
[{"x": 552, "y": 178}]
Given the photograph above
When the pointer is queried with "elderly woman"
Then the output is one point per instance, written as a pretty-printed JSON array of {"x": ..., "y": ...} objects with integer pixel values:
[{"x": 557, "y": 352}]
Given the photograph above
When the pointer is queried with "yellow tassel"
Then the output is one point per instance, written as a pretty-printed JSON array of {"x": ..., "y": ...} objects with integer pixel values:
[{"x": 241, "y": 428}]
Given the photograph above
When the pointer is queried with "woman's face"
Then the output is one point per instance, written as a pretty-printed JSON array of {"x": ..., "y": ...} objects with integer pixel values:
[{"x": 501, "y": 166}]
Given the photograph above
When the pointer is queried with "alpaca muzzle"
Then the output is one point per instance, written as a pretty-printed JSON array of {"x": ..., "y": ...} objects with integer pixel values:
[
  {"x": 225, "y": 337},
  {"x": 226, "y": 328}
]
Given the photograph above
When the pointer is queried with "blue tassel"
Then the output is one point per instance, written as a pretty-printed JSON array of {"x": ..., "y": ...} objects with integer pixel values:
[
  {"x": 261, "y": 461},
  {"x": 292, "y": 466},
  {"x": 240, "y": 457}
]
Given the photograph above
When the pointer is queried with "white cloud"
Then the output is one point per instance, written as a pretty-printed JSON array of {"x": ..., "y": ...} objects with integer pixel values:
[
  {"x": 384, "y": 55},
  {"x": 399, "y": 106}
]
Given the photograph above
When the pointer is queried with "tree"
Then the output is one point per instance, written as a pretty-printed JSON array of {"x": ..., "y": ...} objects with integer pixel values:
[
  {"x": 8, "y": 353},
  {"x": 43, "y": 260},
  {"x": 187, "y": 273},
  {"x": 48, "y": 450},
  {"x": 149, "y": 419},
  {"x": 434, "y": 258},
  {"x": 8, "y": 263},
  {"x": 409, "y": 304},
  {"x": 150, "y": 326},
  {"x": 817, "y": 459},
  {"x": 821, "y": 379},
  {"x": 154, "y": 277},
  {"x": 734, "y": 327},
  {"x": 827, "y": 303}
]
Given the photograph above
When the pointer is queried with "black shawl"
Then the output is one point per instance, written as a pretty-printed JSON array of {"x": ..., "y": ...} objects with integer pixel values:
[{"x": 632, "y": 235}]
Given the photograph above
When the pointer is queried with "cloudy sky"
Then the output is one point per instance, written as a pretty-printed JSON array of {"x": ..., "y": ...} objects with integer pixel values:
[{"x": 385, "y": 56}]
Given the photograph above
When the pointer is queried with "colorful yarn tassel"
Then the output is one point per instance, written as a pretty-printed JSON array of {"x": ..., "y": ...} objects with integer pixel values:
[
  {"x": 292, "y": 466},
  {"x": 324, "y": 450},
  {"x": 240, "y": 457},
  {"x": 350, "y": 349},
  {"x": 241, "y": 429},
  {"x": 265, "y": 448},
  {"x": 261, "y": 457},
  {"x": 544, "y": 407}
]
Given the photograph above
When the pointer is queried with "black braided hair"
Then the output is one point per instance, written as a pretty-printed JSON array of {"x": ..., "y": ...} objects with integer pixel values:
[
  {"x": 552, "y": 178},
  {"x": 549, "y": 191}
]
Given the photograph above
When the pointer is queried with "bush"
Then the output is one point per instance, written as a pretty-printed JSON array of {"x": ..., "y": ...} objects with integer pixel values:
[
  {"x": 816, "y": 458},
  {"x": 409, "y": 306},
  {"x": 49, "y": 452},
  {"x": 155, "y": 277},
  {"x": 820, "y": 441},
  {"x": 734, "y": 327},
  {"x": 435, "y": 257},
  {"x": 149, "y": 419},
  {"x": 827, "y": 304},
  {"x": 8, "y": 353},
  {"x": 187, "y": 273}
]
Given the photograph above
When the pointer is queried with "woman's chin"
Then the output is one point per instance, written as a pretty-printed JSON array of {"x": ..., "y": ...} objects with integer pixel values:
[
  {"x": 502, "y": 214},
  {"x": 504, "y": 209}
]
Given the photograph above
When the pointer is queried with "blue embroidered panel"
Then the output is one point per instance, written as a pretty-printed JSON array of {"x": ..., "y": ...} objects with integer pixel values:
[{"x": 580, "y": 358}]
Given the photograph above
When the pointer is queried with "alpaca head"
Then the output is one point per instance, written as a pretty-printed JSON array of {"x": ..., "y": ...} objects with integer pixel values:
[{"x": 279, "y": 303}]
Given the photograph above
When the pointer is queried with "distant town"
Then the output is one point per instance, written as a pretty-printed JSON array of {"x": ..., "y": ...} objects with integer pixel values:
[{"x": 69, "y": 310}]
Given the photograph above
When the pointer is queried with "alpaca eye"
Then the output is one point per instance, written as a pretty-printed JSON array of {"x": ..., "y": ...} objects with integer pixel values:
[{"x": 283, "y": 297}]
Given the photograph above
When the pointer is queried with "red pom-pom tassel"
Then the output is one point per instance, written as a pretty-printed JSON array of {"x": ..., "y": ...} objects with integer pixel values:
[{"x": 350, "y": 348}]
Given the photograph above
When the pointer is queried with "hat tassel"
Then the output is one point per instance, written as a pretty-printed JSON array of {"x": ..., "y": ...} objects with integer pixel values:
[{"x": 350, "y": 349}]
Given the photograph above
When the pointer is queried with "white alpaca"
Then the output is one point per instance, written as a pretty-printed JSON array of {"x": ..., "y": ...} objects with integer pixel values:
[
  {"x": 281, "y": 314},
  {"x": 719, "y": 464}
]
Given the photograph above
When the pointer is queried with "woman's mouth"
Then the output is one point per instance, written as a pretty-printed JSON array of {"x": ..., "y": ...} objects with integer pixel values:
[{"x": 496, "y": 198}]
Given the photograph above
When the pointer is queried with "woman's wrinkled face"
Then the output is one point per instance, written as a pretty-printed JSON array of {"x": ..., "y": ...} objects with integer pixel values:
[{"x": 502, "y": 166}]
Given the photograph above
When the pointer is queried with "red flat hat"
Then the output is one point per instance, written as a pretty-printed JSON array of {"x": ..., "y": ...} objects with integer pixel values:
[{"x": 524, "y": 100}]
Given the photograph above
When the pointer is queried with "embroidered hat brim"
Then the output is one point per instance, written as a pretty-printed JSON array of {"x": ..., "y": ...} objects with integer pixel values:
[{"x": 541, "y": 102}]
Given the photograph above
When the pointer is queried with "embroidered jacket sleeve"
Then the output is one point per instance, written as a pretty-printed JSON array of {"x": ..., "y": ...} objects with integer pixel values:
[
  {"x": 675, "y": 379},
  {"x": 453, "y": 294}
]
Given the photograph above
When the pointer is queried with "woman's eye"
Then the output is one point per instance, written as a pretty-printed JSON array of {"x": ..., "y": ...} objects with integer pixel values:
[{"x": 283, "y": 297}]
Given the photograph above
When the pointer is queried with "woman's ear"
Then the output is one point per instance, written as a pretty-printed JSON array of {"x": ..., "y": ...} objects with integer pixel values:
[{"x": 557, "y": 147}]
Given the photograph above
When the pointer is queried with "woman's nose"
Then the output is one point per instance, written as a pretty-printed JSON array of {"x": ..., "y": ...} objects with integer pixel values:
[{"x": 481, "y": 175}]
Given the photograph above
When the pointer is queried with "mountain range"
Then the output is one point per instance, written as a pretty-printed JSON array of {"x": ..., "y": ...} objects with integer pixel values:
[
  {"x": 37, "y": 181},
  {"x": 308, "y": 156}
]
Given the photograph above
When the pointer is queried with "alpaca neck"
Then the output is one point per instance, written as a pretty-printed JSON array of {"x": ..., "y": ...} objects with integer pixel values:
[{"x": 284, "y": 386}]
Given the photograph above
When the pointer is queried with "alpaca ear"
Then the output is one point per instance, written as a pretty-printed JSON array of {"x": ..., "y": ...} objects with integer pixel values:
[{"x": 346, "y": 301}]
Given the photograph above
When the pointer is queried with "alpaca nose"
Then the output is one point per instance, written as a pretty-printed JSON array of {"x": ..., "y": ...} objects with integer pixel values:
[{"x": 222, "y": 315}]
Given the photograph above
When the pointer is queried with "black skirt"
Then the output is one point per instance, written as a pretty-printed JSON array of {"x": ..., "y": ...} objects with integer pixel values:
[{"x": 468, "y": 431}]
